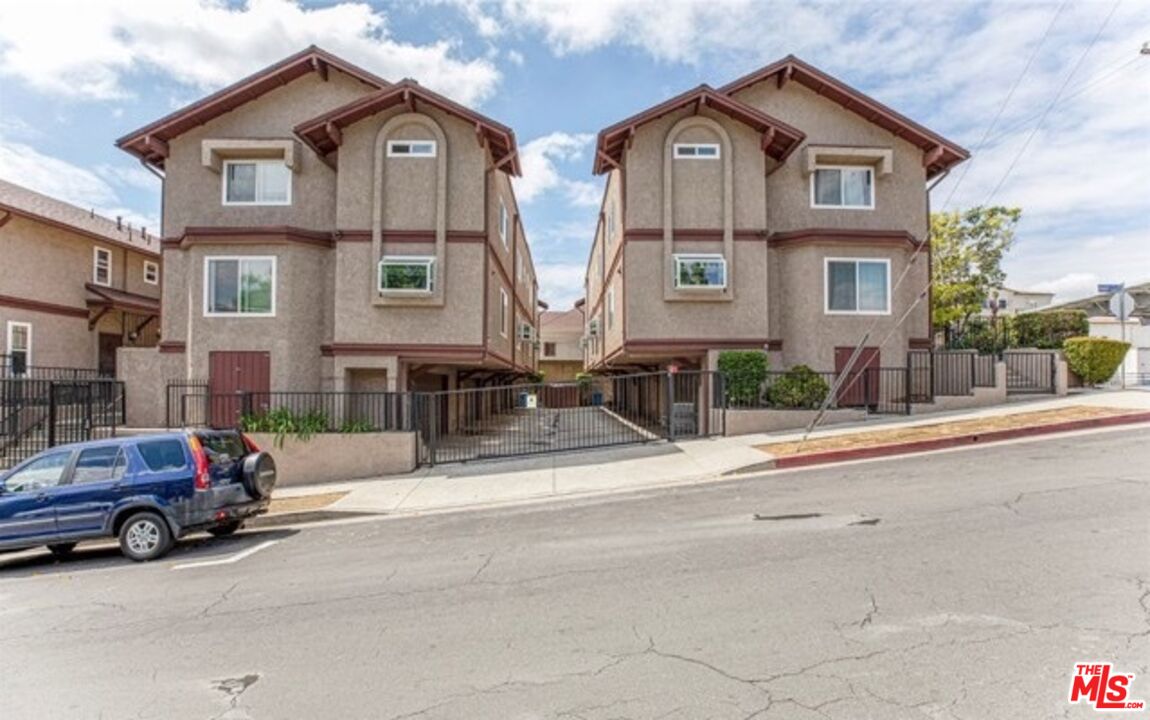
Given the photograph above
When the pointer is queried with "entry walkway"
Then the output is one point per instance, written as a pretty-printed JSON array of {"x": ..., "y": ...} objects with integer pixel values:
[{"x": 591, "y": 473}]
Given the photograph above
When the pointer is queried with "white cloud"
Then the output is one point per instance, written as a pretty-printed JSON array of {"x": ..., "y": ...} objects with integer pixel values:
[
  {"x": 540, "y": 174},
  {"x": 62, "y": 180},
  {"x": 560, "y": 284},
  {"x": 87, "y": 50},
  {"x": 131, "y": 176},
  {"x": 515, "y": 57}
]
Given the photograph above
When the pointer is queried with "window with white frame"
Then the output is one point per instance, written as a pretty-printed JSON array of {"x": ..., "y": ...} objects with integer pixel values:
[
  {"x": 700, "y": 272},
  {"x": 102, "y": 266},
  {"x": 240, "y": 286},
  {"x": 503, "y": 218},
  {"x": 256, "y": 182},
  {"x": 857, "y": 286},
  {"x": 610, "y": 308},
  {"x": 842, "y": 187},
  {"x": 19, "y": 346},
  {"x": 151, "y": 272},
  {"x": 696, "y": 151},
  {"x": 411, "y": 148},
  {"x": 407, "y": 274},
  {"x": 502, "y": 312}
]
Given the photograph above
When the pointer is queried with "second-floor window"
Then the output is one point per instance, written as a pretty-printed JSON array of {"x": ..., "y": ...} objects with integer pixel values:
[
  {"x": 411, "y": 148},
  {"x": 548, "y": 349},
  {"x": 856, "y": 286},
  {"x": 502, "y": 312},
  {"x": 700, "y": 272},
  {"x": 407, "y": 274},
  {"x": 610, "y": 308},
  {"x": 151, "y": 273},
  {"x": 102, "y": 266},
  {"x": 843, "y": 187},
  {"x": 19, "y": 347},
  {"x": 697, "y": 151},
  {"x": 240, "y": 286},
  {"x": 256, "y": 182}
]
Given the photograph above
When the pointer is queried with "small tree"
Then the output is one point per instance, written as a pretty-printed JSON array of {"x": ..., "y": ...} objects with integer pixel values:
[
  {"x": 1049, "y": 330},
  {"x": 744, "y": 372},
  {"x": 800, "y": 387},
  {"x": 967, "y": 248},
  {"x": 1094, "y": 359}
]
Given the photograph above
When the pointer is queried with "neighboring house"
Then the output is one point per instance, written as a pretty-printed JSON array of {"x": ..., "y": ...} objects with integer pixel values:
[
  {"x": 776, "y": 212},
  {"x": 1007, "y": 301},
  {"x": 1136, "y": 329},
  {"x": 561, "y": 334},
  {"x": 75, "y": 286},
  {"x": 325, "y": 229}
]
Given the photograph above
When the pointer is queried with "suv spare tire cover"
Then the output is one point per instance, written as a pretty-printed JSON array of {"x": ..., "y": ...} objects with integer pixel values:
[{"x": 259, "y": 475}]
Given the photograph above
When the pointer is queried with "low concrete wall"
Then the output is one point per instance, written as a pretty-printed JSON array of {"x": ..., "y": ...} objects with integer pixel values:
[
  {"x": 980, "y": 396},
  {"x": 334, "y": 457},
  {"x": 145, "y": 373},
  {"x": 743, "y": 422}
]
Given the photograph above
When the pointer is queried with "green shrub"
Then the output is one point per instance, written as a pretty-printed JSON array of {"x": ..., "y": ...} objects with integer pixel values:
[
  {"x": 799, "y": 387},
  {"x": 743, "y": 372},
  {"x": 1049, "y": 330},
  {"x": 283, "y": 422},
  {"x": 357, "y": 426},
  {"x": 1094, "y": 359}
]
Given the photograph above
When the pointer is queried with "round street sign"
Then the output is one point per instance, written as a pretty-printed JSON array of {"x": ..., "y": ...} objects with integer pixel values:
[{"x": 1122, "y": 304}]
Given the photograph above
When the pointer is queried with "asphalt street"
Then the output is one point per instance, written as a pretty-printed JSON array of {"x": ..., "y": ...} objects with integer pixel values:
[{"x": 953, "y": 585}]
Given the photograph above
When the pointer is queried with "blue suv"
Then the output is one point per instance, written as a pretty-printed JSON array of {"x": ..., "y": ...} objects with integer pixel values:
[{"x": 147, "y": 491}]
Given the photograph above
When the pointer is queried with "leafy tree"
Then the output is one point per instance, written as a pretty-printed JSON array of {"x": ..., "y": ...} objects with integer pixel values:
[
  {"x": 743, "y": 372},
  {"x": 967, "y": 248}
]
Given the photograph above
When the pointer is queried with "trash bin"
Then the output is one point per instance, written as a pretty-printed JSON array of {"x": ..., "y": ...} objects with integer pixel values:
[{"x": 596, "y": 399}]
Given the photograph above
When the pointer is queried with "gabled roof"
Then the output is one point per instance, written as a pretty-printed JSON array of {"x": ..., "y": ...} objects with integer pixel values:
[
  {"x": 779, "y": 138},
  {"x": 942, "y": 154},
  {"x": 323, "y": 134},
  {"x": 27, "y": 203},
  {"x": 149, "y": 143}
]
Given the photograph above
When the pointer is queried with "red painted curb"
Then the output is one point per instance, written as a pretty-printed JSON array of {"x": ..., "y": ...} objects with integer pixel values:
[{"x": 832, "y": 456}]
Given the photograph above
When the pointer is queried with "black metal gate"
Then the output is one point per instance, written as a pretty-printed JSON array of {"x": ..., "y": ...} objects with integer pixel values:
[
  {"x": 1030, "y": 371},
  {"x": 38, "y": 414},
  {"x": 532, "y": 419}
]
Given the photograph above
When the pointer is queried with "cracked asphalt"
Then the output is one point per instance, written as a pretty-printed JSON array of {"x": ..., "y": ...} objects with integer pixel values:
[{"x": 991, "y": 573}]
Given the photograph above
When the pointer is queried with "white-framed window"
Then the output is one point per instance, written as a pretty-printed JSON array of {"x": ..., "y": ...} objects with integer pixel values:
[
  {"x": 407, "y": 274},
  {"x": 502, "y": 312},
  {"x": 411, "y": 148},
  {"x": 706, "y": 272},
  {"x": 102, "y": 266},
  {"x": 151, "y": 272},
  {"x": 610, "y": 308},
  {"x": 242, "y": 285},
  {"x": 19, "y": 344},
  {"x": 857, "y": 286},
  {"x": 503, "y": 218},
  {"x": 256, "y": 182},
  {"x": 696, "y": 151},
  {"x": 844, "y": 186}
]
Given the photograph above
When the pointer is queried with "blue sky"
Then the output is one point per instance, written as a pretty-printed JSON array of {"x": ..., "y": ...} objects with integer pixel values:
[{"x": 76, "y": 75}]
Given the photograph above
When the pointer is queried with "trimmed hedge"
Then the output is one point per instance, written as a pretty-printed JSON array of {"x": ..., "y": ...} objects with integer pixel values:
[
  {"x": 744, "y": 372},
  {"x": 799, "y": 387},
  {"x": 1049, "y": 330},
  {"x": 1094, "y": 359}
]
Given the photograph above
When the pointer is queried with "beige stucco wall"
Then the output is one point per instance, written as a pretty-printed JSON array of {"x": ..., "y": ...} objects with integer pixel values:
[
  {"x": 810, "y": 335},
  {"x": 57, "y": 340},
  {"x": 900, "y": 200},
  {"x": 743, "y": 422},
  {"x": 146, "y": 373},
  {"x": 649, "y": 317},
  {"x": 335, "y": 457},
  {"x": 192, "y": 192},
  {"x": 293, "y": 336}
]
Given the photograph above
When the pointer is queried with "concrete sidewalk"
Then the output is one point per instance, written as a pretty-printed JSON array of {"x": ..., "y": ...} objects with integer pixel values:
[{"x": 596, "y": 472}]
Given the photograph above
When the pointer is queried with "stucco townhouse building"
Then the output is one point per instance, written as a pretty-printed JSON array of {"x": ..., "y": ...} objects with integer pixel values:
[
  {"x": 561, "y": 335},
  {"x": 776, "y": 212},
  {"x": 326, "y": 229},
  {"x": 74, "y": 287}
]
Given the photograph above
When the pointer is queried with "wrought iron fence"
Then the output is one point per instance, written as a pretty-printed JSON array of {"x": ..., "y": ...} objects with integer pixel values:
[
  {"x": 1030, "y": 371},
  {"x": 12, "y": 367},
  {"x": 38, "y": 414}
]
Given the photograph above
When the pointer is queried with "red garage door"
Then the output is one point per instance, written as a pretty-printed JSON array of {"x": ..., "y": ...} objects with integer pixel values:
[
  {"x": 230, "y": 374},
  {"x": 861, "y": 385}
]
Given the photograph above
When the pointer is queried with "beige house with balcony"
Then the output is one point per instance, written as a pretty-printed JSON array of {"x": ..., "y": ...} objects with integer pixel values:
[
  {"x": 325, "y": 229},
  {"x": 776, "y": 212},
  {"x": 74, "y": 286}
]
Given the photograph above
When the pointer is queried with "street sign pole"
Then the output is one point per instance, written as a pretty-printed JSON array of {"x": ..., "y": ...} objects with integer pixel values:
[{"x": 1118, "y": 289}]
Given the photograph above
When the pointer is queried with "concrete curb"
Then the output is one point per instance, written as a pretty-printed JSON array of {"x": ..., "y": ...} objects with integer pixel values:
[{"x": 833, "y": 456}]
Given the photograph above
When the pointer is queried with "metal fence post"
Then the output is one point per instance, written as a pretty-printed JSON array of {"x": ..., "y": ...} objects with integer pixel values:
[
  {"x": 670, "y": 405},
  {"x": 866, "y": 390},
  {"x": 51, "y": 414},
  {"x": 906, "y": 390}
]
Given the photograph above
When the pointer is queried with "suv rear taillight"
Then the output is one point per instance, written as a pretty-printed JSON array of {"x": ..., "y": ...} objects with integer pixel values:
[
  {"x": 250, "y": 444},
  {"x": 203, "y": 479}
]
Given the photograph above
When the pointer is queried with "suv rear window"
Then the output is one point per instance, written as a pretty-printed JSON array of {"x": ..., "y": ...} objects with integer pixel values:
[
  {"x": 162, "y": 454},
  {"x": 219, "y": 444}
]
